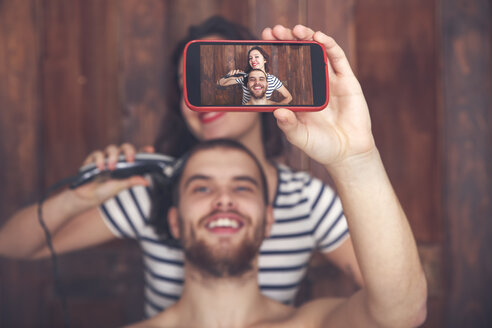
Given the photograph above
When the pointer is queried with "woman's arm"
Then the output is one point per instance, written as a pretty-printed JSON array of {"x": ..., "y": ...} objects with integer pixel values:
[
  {"x": 71, "y": 216},
  {"x": 340, "y": 138},
  {"x": 395, "y": 285},
  {"x": 83, "y": 231},
  {"x": 231, "y": 80},
  {"x": 287, "y": 97}
]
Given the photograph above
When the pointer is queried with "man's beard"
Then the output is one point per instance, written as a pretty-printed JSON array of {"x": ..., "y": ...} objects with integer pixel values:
[
  {"x": 219, "y": 262},
  {"x": 261, "y": 96}
]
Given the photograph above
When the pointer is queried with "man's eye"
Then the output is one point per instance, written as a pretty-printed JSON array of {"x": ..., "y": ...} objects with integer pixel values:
[
  {"x": 244, "y": 188},
  {"x": 200, "y": 189}
]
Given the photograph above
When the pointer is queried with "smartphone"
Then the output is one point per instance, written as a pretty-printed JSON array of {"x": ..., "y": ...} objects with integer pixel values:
[{"x": 220, "y": 75}]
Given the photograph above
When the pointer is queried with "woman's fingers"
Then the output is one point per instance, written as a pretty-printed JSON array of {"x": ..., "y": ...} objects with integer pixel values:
[
  {"x": 288, "y": 123},
  {"x": 234, "y": 72},
  {"x": 267, "y": 34},
  {"x": 338, "y": 61},
  {"x": 147, "y": 149},
  {"x": 278, "y": 32},
  {"x": 109, "y": 157},
  {"x": 112, "y": 153},
  {"x": 129, "y": 151},
  {"x": 302, "y": 32},
  {"x": 282, "y": 33},
  {"x": 96, "y": 157},
  {"x": 335, "y": 54}
]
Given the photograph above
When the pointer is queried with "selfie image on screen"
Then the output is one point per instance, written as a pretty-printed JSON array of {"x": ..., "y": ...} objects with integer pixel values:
[{"x": 255, "y": 75}]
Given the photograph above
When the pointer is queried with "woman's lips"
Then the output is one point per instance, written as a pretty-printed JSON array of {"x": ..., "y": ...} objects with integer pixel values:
[{"x": 209, "y": 117}]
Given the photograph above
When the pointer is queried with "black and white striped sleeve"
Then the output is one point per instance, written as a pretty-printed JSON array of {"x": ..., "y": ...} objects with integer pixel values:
[
  {"x": 331, "y": 227},
  {"x": 128, "y": 212}
]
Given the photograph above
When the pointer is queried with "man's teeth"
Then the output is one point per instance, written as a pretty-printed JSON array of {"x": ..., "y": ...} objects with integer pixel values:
[{"x": 223, "y": 223}]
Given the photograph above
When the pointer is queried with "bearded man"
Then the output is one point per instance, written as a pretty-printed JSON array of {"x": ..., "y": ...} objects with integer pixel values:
[{"x": 257, "y": 84}]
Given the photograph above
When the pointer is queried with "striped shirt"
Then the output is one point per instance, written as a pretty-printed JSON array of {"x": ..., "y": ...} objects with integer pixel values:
[
  {"x": 308, "y": 216},
  {"x": 273, "y": 84}
]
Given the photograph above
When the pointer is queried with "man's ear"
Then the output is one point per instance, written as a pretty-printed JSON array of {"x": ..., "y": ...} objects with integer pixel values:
[
  {"x": 172, "y": 220},
  {"x": 269, "y": 220}
]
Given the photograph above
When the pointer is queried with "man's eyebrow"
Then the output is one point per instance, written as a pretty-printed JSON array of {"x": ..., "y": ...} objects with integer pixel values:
[
  {"x": 246, "y": 178},
  {"x": 195, "y": 177}
]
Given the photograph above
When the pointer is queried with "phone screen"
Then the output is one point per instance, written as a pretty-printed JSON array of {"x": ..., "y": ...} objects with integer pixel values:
[{"x": 255, "y": 75}]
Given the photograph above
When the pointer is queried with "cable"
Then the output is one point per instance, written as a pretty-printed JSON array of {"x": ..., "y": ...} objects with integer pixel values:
[
  {"x": 56, "y": 275},
  {"x": 143, "y": 167}
]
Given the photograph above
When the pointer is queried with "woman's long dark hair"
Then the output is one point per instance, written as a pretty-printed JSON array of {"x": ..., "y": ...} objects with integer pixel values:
[
  {"x": 263, "y": 53},
  {"x": 175, "y": 138}
]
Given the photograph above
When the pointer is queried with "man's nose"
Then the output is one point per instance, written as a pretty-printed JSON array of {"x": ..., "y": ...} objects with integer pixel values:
[{"x": 224, "y": 200}]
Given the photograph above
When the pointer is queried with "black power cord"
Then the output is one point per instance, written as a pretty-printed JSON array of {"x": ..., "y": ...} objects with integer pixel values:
[
  {"x": 54, "y": 258},
  {"x": 152, "y": 164}
]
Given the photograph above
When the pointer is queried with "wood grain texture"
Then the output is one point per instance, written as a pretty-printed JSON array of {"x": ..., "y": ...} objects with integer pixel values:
[
  {"x": 467, "y": 189},
  {"x": 20, "y": 172},
  {"x": 336, "y": 19},
  {"x": 398, "y": 68},
  {"x": 145, "y": 60},
  {"x": 186, "y": 13},
  {"x": 270, "y": 13},
  {"x": 19, "y": 103},
  {"x": 79, "y": 84},
  {"x": 226, "y": 61},
  {"x": 64, "y": 57}
]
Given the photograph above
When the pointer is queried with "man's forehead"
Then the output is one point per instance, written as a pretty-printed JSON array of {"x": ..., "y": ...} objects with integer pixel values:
[
  {"x": 257, "y": 73},
  {"x": 221, "y": 164}
]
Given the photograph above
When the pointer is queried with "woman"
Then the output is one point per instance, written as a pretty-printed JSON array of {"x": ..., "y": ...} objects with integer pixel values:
[
  {"x": 257, "y": 59},
  {"x": 308, "y": 213}
]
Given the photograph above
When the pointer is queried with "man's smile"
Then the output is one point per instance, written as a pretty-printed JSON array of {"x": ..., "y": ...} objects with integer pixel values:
[
  {"x": 258, "y": 88},
  {"x": 224, "y": 223}
]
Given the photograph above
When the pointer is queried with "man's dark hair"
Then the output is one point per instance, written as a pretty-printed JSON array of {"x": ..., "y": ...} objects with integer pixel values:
[
  {"x": 265, "y": 55},
  {"x": 165, "y": 191},
  {"x": 174, "y": 138}
]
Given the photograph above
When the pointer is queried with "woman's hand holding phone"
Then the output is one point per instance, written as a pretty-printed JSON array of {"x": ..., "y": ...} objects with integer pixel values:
[{"x": 341, "y": 131}]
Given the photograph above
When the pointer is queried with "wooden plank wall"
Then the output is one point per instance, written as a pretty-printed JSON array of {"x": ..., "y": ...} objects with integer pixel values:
[
  {"x": 467, "y": 156},
  {"x": 78, "y": 75}
]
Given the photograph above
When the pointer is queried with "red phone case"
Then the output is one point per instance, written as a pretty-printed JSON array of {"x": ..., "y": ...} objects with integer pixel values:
[{"x": 252, "y": 108}]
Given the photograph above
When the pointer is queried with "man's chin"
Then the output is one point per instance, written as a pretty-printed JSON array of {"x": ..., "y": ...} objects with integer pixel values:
[
  {"x": 223, "y": 259},
  {"x": 257, "y": 96}
]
